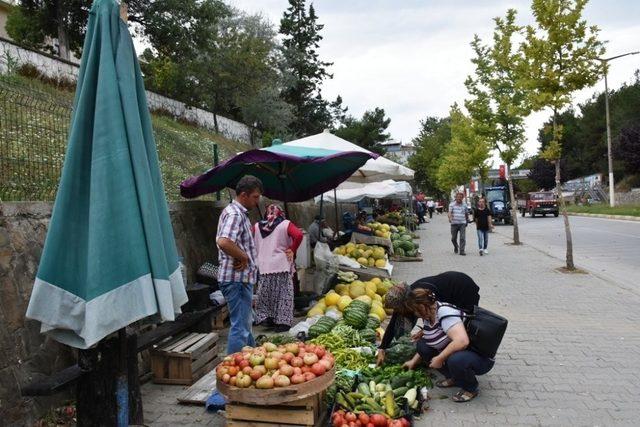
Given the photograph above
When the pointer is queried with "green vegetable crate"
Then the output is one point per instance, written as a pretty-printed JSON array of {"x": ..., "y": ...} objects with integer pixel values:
[{"x": 404, "y": 410}]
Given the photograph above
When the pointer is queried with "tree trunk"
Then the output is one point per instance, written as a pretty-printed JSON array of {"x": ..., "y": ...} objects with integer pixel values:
[
  {"x": 63, "y": 38},
  {"x": 215, "y": 122},
  {"x": 563, "y": 206},
  {"x": 514, "y": 210}
]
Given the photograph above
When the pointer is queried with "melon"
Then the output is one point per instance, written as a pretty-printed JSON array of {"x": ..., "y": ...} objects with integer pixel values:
[
  {"x": 332, "y": 298},
  {"x": 344, "y": 302}
]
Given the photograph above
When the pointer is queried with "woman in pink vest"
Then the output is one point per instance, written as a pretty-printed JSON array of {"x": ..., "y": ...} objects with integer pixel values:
[{"x": 277, "y": 240}]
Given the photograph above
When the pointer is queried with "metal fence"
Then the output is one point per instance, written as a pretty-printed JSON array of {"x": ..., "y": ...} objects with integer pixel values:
[{"x": 34, "y": 126}]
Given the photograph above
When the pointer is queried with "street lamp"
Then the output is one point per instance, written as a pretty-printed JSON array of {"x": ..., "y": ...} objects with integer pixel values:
[{"x": 612, "y": 195}]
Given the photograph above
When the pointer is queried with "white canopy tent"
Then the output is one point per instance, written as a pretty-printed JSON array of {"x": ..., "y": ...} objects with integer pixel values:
[
  {"x": 375, "y": 170},
  {"x": 351, "y": 192}
]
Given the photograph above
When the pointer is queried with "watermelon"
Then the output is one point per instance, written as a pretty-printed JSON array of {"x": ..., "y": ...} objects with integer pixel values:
[
  {"x": 368, "y": 335},
  {"x": 372, "y": 323}
]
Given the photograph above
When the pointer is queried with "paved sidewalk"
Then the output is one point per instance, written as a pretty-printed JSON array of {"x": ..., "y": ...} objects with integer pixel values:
[{"x": 570, "y": 355}]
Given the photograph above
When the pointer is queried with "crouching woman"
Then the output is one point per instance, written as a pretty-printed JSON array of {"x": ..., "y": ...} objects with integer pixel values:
[{"x": 443, "y": 343}]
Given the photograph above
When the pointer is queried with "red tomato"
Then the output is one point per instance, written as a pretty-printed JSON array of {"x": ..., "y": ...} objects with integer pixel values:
[
  {"x": 337, "y": 421},
  {"x": 378, "y": 420},
  {"x": 306, "y": 369},
  {"x": 243, "y": 363},
  {"x": 370, "y": 425},
  {"x": 405, "y": 422},
  {"x": 237, "y": 358},
  {"x": 233, "y": 371},
  {"x": 350, "y": 416},
  {"x": 320, "y": 351},
  {"x": 309, "y": 376},
  {"x": 364, "y": 418},
  {"x": 318, "y": 369}
]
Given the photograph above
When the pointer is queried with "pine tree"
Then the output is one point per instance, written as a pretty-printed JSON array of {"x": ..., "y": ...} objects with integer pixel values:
[{"x": 306, "y": 71}]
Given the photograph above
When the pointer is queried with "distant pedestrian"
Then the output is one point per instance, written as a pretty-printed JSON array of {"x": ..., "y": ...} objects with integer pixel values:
[
  {"x": 431, "y": 206},
  {"x": 238, "y": 272},
  {"x": 277, "y": 240},
  {"x": 459, "y": 218},
  {"x": 483, "y": 220}
]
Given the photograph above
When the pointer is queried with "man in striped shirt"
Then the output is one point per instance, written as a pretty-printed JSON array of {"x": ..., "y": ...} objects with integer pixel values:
[
  {"x": 458, "y": 217},
  {"x": 238, "y": 272}
]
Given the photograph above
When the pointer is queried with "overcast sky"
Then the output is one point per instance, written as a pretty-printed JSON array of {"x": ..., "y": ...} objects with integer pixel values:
[{"x": 411, "y": 57}]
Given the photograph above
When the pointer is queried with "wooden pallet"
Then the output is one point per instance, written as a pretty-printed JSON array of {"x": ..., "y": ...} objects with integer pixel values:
[
  {"x": 199, "y": 392},
  {"x": 220, "y": 319},
  {"x": 185, "y": 358},
  {"x": 407, "y": 259},
  {"x": 307, "y": 412}
]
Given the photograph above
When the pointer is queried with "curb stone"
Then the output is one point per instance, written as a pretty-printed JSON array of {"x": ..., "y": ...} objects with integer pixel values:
[{"x": 624, "y": 217}]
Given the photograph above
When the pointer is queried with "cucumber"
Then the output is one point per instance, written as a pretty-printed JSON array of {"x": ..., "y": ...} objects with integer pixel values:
[{"x": 400, "y": 391}]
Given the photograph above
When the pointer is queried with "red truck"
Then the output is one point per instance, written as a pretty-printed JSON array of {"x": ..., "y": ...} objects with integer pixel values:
[{"x": 538, "y": 202}]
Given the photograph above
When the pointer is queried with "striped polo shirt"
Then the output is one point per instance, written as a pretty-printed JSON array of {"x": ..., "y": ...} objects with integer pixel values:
[
  {"x": 458, "y": 213},
  {"x": 435, "y": 335}
]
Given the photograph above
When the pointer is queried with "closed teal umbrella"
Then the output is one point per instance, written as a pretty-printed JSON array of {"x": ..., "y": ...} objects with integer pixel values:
[{"x": 110, "y": 256}]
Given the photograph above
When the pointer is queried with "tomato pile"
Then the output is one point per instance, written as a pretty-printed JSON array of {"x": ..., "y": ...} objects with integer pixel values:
[
  {"x": 350, "y": 419},
  {"x": 271, "y": 365}
]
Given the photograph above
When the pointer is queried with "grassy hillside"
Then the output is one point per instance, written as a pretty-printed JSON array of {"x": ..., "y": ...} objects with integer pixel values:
[{"x": 34, "y": 123}]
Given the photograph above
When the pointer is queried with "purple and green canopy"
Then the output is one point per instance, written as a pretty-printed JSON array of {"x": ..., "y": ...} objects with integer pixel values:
[{"x": 289, "y": 174}]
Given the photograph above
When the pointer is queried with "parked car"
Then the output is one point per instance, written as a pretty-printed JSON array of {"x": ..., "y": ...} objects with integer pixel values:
[
  {"x": 538, "y": 203},
  {"x": 499, "y": 203}
]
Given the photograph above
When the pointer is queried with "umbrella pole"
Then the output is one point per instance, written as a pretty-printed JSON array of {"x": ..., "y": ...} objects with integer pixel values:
[
  {"x": 335, "y": 201},
  {"x": 321, "y": 203},
  {"x": 122, "y": 386}
]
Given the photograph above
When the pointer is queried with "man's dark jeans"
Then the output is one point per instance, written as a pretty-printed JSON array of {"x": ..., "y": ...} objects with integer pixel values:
[
  {"x": 455, "y": 229},
  {"x": 461, "y": 366}
]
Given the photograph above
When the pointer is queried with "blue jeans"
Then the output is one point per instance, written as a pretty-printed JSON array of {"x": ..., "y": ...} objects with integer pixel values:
[
  {"x": 461, "y": 366},
  {"x": 239, "y": 297},
  {"x": 483, "y": 239}
]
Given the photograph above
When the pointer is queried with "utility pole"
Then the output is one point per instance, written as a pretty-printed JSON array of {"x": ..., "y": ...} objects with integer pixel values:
[{"x": 605, "y": 62}]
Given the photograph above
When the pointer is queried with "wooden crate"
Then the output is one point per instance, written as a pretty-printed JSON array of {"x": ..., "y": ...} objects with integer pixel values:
[
  {"x": 307, "y": 412},
  {"x": 185, "y": 358},
  {"x": 220, "y": 319}
]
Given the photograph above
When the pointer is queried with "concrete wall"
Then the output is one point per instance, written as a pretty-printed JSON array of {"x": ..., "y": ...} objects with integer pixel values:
[
  {"x": 629, "y": 198},
  {"x": 12, "y": 55}
]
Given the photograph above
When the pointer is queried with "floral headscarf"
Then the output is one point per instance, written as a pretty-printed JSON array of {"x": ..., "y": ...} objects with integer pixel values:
[{"x": 274, "y": 215}]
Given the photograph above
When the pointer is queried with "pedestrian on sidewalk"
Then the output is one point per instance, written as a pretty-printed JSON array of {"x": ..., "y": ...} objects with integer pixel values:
[
  {"x": 442, "y": 344},
  {"x": 238, "y": 271},
  {"x": 431, "y": 206},
  {"x": 277, "y": 240},
  {"x": 484, "y": 222},
  {"x": 459, "y": 218}
]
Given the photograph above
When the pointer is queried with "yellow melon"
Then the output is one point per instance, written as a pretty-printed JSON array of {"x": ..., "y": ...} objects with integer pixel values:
[
  {"x": 356, "y": 290},
  {"x": 381, "y": 263},
  {"x": 331, "y": 298},
  {"x": 364, "y": 298},
  {"x": 343, "y": 302}
]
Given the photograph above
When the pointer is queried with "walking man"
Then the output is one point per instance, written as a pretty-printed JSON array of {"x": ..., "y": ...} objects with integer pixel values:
[
  {"x": 238, "y": 272},
  {"x": 458, "y": 217},
  {"x": 431, "y": 206}
]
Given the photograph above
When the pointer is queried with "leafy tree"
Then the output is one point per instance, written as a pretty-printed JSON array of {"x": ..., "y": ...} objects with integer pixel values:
[
  {"x": 561, "y": 57},
  {"x": 368, "y": 132},
  {"x": 627, "y": 147},
  {"x": 431, "y": 142},
  {"x": 306, "y": 71},
  {"x": 268, "y": 114},
  {"x": 65, "y": 20},
  {"x": 543, "y": 174},
  {"x": 467, "y": 153},
  {"x": 497, "y": 100}
]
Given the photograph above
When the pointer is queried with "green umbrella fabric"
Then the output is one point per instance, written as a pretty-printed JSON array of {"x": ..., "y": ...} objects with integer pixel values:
[{"x": 109, "y": 257}]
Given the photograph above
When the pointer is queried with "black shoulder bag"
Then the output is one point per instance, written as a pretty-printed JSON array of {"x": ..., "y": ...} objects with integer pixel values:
[{"x": 484, "y": 328}]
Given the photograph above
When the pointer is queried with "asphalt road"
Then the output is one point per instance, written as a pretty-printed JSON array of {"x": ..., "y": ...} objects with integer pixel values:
[{"x": 608, "y": 248}]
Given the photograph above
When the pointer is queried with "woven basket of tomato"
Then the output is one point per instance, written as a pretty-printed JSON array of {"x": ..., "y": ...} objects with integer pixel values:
[{"x": 272, "y": 374}]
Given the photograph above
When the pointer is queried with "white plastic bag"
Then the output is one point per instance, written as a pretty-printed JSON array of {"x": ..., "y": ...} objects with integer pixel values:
[{"x": 326, "y": 268}]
